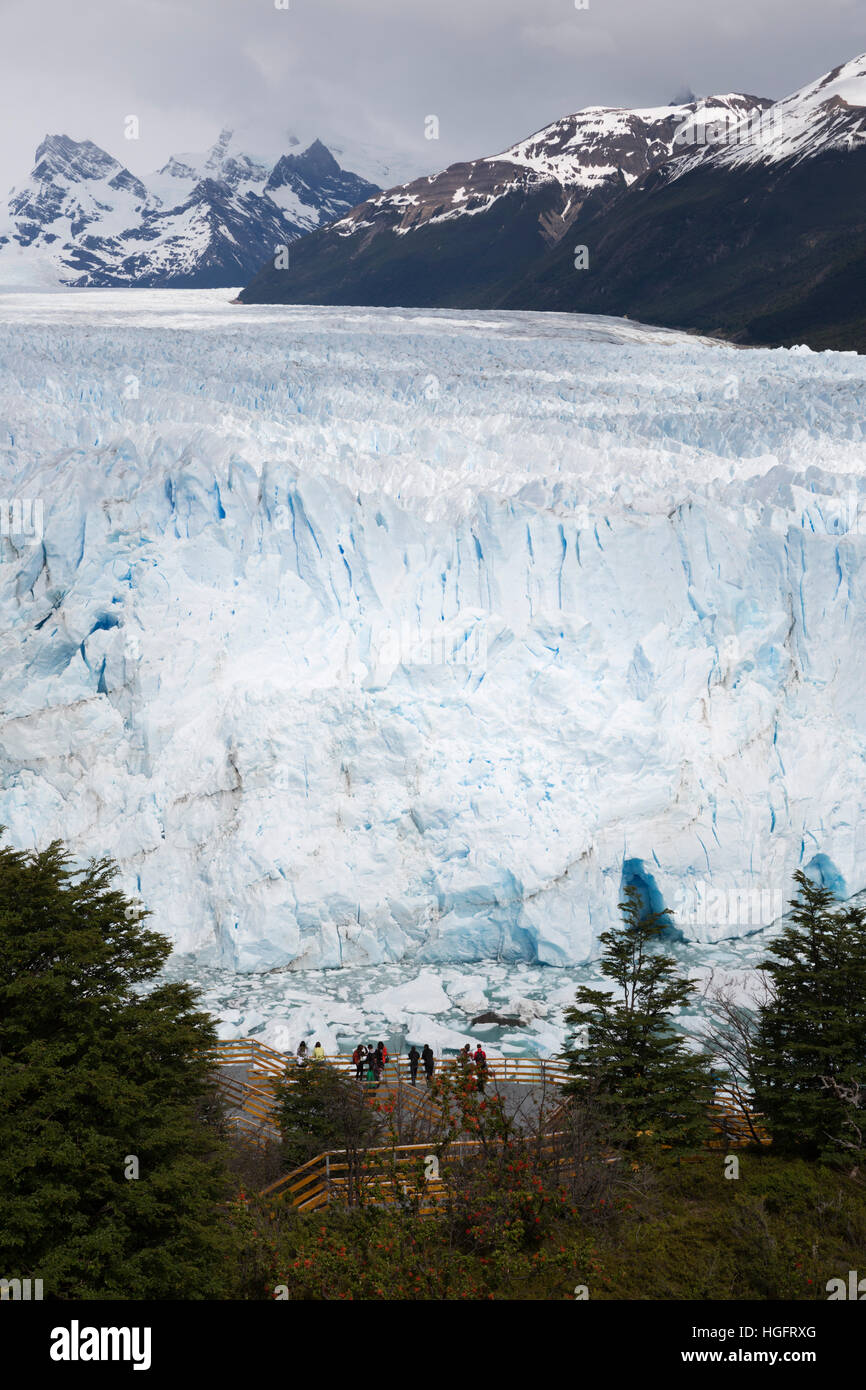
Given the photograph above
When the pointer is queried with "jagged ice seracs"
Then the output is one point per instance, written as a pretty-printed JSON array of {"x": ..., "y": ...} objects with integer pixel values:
[{"x": 361, "y": 637}]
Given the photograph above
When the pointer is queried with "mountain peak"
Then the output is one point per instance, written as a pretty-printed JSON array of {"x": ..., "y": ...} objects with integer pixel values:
[
  {"x": 314, "y": 165},
  {"x": 204, "y": 218},
  {"x": 58, "y": 154},
  {"x": 318, "y": 159},
  {"x": 217, "y": 152},
  {"x": 827, "y": 114}
]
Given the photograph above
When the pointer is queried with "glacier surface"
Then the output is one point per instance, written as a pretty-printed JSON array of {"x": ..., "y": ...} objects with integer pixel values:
[{"x": 403, "y": 639}]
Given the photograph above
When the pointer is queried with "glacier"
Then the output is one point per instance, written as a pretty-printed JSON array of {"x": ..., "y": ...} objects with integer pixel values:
[{"x": 401, "y": 641}]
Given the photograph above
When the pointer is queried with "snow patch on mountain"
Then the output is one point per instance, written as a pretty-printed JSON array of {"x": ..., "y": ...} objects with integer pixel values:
[
  {"x": 588, "y": 148},
  {"x": 599, "y": 148},
  {"x": 828, "y": 114}
]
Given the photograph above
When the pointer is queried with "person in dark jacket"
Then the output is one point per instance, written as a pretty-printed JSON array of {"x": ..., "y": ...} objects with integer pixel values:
[
  {"x": 429, "y": 1061},
  {"x": 381, "y": 1059},
  {"x": 480, "y": 1059},
  {"x": 414, "y": 1059},
  {"x": 359, "y": 1057}
]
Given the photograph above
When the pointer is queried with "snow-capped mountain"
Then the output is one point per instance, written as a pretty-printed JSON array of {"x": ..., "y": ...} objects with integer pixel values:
[
  {"x": 757, "y": 231},
  {"x": 206, "y": 220},
  {"x": 528, "y": 194},
  {"x": 595, "y": 149},
  {"x": 822, "y": 117},
  {"x": 732, "y": 214},
  {"x": 77, "y": 199}
]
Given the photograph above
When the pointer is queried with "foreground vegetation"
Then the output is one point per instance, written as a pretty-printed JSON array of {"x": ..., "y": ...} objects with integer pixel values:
[
  {"x": 667, "y": 1231},
  {"x": 123, "y": 1178}
]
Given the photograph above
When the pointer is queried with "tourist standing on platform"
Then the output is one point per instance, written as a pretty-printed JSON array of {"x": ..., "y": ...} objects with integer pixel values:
[
  {"x": 429, "y": 1061},
  {"x": 480, "y": 1057},
  {"x": 414, "y": 1059}
]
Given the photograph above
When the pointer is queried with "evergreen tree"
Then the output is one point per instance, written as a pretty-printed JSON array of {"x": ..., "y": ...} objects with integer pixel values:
[
  {"x": 811, "y": 1037},
  {"x": 625, "y": 1055},
  {"x": 99, "y": 1081},
  {"x": 318, "y": 1108}
]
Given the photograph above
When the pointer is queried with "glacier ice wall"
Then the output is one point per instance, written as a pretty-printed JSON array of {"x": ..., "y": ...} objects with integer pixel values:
[{"x": 362, "y": 636}]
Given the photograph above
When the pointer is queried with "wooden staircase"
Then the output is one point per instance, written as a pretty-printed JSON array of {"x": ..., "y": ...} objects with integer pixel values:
[
  {"x": 380, "y": 1176},
  {"x": 734, "y": 1123}
]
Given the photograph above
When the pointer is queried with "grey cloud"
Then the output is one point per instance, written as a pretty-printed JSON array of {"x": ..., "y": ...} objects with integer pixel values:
[{"x": 491, "y": 70}]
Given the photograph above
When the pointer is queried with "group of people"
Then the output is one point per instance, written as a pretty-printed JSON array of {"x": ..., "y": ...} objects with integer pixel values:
[
  {"x": 369, "y": 1061},
  {"x": 466, "y": 1057}
]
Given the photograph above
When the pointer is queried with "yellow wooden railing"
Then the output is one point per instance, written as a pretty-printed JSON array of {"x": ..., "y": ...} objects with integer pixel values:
[
  {"x": 734, "y": 1122},
  {"x": 381, "y": 1174},
  {"x": 251, "y": 1053},
  {"x": 386, "y": 1175},
  {"x": 267, "y": 1061},
  {"x": 253, "y": 1133},
  {"x": 252, "y": 1100},
  {"x": 253, "y": 1097}
]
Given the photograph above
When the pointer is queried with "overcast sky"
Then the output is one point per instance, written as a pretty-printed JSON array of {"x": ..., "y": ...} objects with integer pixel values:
[{"x": 491, "y": 70}]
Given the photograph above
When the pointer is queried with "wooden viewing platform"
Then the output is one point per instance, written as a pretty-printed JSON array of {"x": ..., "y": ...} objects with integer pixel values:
[
  {"x": 264, "y": 1062},
  {"x": 337, "y": 1176}
]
